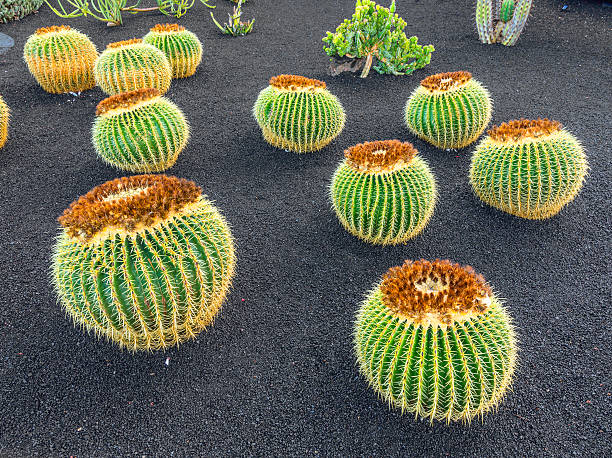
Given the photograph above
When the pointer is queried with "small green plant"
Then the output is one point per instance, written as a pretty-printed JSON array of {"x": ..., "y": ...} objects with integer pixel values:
[
  {"x": 298, "y": 114},
  {"x": 5, "y": 114},
  {"x": 182, "y": 47},
  {"x": 375, "y": 32},
  {"x": 501, "y": 21},
  {"x": 16, "y": 9},
  {"x": 61, "y": 59},
  {"x": 432, "y": 339},
  {"x": 449, "y": 110},
  {"x": 128, "y": 65},
  {"x": 383, "y": 192},
  {"x": 144, "y": 261},
  {"x": 139, "y": 131},
  {"x": 528, "y": 168},
  {"x": 111, "y": 11},
  {"x": 235, "y": 27}
]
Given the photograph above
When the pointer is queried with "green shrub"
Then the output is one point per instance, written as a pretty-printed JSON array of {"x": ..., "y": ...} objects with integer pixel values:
[{"x": 16, "y": 9}]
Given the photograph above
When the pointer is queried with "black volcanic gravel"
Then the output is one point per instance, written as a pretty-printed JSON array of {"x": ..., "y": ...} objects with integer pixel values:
[{"x": 276, "y": 375}]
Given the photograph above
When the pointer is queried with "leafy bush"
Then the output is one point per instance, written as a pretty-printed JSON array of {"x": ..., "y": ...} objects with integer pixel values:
[
  {"x": 377, "y": 32},
  {"x": 16, "y": 9}
]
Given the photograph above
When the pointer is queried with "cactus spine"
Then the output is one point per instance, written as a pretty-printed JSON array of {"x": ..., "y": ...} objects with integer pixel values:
[
  {"x": 182, "y": 47},
  {"x": 298, "y": 113},
  {"x": 432, "y": 339},
  {"x": 528, "y": 168},
  {"x": 449, "y": 110},
  {"x": 129, "y": 65},
  {"x": 61, "y": 59},
  {"x": 383, "y": 192},
  {"x": 139, "y": 131},
  {"x": 4, "y": 121},
  {"x": 502, "y": 22},
  {"x": 144, "y": 261}
]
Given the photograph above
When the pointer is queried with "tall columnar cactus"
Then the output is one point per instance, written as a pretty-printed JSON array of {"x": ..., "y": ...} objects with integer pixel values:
[
  {"x": 131, "y": 64},
  {"x": 449, "y": 110},
  {"x": 501, "y": 21},
  {"x": 61, "y": 59},
  {"x": 433, "y": 339},
  {"x": 383, "y": 192},
  {"x": 139, "y": 131},
  {"x": 4, "y": 121},
  {"x": 298, "y": 113},
  {"x": 528, "y": 168},
  {"x": 144, "y": 261},
  {"x": 182, "y": 47}
]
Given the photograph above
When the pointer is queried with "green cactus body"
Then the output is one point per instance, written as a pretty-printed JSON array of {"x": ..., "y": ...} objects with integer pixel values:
[
  {"x": 433, "y": 340},
  {"x": 4, "y": 121},
  {"x": 298, "y": 113},
  {"x": 61, "y": 59},
  {"x": 449, "y": 110},
  {"x": 182, "y": 47},
  {"x": 130, "y": 65},
  {"x": 506, "y": 11},
  {"x": 144, "y": 261},
  {"x": 139, "y": 131},
  {"x": 485, "y": 21},
  {"x": 383, "y": 193},
  {"x": 512, "y": 28},
  {"x": 528, "y": 168}
]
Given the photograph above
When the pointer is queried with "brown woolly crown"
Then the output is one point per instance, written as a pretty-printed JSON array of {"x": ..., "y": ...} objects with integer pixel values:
[
  {"x": 518, "y": 129},
  {"x": 126, "y": 100},
  {"x": 119, "y": 44},
  {"x": 53, "y": 28},
  {"x": 127, "y": 203},
  {"x": 295, "y": 82},
  {"x": 159, "y": 28},
  {"x": 446, "y": 81},
  {"x": 380, "y": 156},
  {"x": 441, "y": 291}
]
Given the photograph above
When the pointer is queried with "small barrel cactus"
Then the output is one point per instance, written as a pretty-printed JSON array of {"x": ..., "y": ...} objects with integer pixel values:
[
  {"x": 528, "y": 168},
  {"x": 61, "y": 59},
  {"x": 131, "y": 64},
  {"x": 144, "y": 261},
  {"x": 433, "y": 339},
  {"x": 298, "y": 113},
  {"x": 383, "y": 192},
  {"x": 4, "y": 121},
  {"x": 182, "y": 47},
  {"x": 449, "y": 110},
  {"x": 139, "y": 131}
]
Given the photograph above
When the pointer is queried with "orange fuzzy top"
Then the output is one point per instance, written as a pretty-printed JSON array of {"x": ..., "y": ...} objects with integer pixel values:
[
  {"x": 420, "y": 290},
  {"x": 379, "y": 156},
  {"x": 518, "y": 129},
  {"x": 53, "y": 28},
  {"x": 119, "y": 44},
  {"x": 159, "y": 28},
  {"x": 446, "y": 81},
  {"x": 295, "y": 82},
  {"x": 127, "y": 203},
  {"x": 126, "y": 100}
]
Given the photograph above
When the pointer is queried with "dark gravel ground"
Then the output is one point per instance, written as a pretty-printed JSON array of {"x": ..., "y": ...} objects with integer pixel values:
[{"x": 276, "y": 374}]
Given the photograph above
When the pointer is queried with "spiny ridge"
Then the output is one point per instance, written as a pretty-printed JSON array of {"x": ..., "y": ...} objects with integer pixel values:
[
  {"x": 52, "y": 29},
  {"x": 380, "y": 156},
  {"x": 295, "y": 82},
  {"x": 119, "y": 44},
  {"x": 518, "y": 129},
  {"x": 446, "y": 81},
  {"x": 128, "y": 203},
  {"x": 439, "y": 290},
  {"x": 126, "y": 100},
  {"x": 159, "y": 28}
]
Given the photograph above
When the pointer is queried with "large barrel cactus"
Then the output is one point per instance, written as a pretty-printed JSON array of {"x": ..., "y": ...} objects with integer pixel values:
[
  {"x": 182, "y": 47},
  {"x": 298, "y": 113},
  {"x": 528, "y": 168},
  {"x": 501, "y": 21},
  {"x": 61, "y": 59},
  {"x": 432, "y": 339},
  {"x": 144, "y": 261},
  {"x": 128, "y": 65},
  {"x": 139, "y": 131},
  {"x": 383, "y": 192},
  {"x": 4, "y": 121},
  {"x": 449, "y": 110}
]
